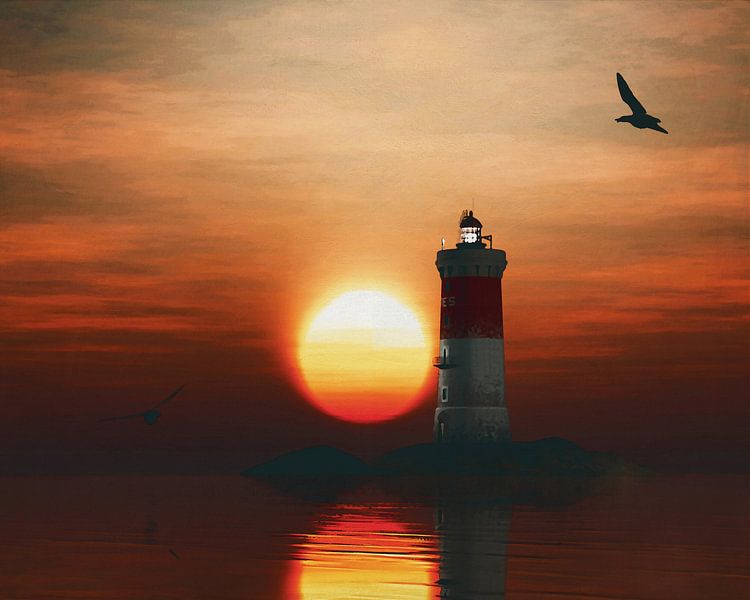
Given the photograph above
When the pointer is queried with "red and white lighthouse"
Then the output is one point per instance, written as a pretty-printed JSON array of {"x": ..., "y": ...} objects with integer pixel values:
[{"x": 471, "y": 385}]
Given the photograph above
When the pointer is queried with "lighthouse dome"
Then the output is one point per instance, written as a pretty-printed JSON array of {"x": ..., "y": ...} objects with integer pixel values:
[{"x": 470, "y": 220}]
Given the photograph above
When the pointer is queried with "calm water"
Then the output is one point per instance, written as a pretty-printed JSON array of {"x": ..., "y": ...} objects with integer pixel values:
[{"x": 228, "y": 537}]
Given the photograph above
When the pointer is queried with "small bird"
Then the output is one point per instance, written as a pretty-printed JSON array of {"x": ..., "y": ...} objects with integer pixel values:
[
  {"x": 150, "y": 416},
  {"x": 640, "y": 118}
]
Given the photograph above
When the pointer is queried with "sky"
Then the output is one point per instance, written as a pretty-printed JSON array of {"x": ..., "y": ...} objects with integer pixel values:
[{"x": 183, "y": 184}]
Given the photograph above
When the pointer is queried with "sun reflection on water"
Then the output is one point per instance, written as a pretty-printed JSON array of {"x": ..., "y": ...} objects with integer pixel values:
[{"x": 357, "y": 554}]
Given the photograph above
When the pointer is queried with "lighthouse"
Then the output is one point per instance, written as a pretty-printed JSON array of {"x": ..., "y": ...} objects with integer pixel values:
[{"x": 471, "y": 382}]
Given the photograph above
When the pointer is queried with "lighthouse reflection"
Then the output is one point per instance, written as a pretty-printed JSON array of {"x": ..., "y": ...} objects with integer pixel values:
[
  {"x": 472, "y": 549},
  {"x": 454, "y": 549}
]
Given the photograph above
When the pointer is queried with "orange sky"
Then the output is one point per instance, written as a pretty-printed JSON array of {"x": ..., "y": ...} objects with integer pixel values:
[{"x": 180, "y": 182}]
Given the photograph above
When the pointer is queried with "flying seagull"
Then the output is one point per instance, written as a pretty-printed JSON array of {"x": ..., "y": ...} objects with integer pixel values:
[
  {"x": 640, "y": 118},
  {"x": 151, "y": 416}
]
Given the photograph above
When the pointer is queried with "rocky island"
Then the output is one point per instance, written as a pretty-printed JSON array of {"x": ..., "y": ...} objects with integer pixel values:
[{"x": 548, "y": 457}]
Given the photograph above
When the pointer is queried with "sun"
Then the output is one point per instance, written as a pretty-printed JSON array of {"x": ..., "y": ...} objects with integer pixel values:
[{"x": 363, "y": 358}]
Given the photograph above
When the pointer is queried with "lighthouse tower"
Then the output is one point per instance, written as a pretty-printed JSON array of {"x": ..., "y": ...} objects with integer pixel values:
[{"x": 471, "y": 385}]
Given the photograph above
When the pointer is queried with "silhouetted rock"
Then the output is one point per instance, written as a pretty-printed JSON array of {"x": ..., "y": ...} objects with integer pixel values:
[
  {"x": 322, "y": 461},
  {"x": 549, "y": 457},
  {"x": 544, "y": 458}
]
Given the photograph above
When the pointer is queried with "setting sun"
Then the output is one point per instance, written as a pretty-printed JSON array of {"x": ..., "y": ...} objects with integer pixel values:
[{"x": 364, "y": 357}]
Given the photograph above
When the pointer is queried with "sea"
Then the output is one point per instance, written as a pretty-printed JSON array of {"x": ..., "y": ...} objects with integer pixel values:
[{"x": 229, "y": 537}]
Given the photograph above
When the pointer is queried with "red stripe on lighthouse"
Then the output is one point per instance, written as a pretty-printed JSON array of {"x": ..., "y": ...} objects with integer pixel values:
[{"x": 471, "y": 307}]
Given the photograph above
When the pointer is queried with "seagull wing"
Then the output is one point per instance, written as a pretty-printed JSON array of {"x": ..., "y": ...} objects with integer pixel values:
[
  {"x": 628, "y": 97},
  {"x": 123, "y": 417},
  {"x": 172, "y": 395}
]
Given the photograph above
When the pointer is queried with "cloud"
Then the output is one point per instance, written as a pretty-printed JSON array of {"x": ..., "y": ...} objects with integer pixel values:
[
  {"x": 44, "y": 37},
  {"x": 27, "y": 196}
]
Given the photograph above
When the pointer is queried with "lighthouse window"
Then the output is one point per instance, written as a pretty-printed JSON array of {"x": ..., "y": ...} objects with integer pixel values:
[
  {"x": 444, "y": 394},
  {"x": 470, "y": 235},
  {"x": 447, "y": 320}
]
